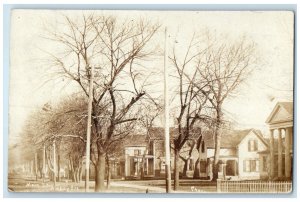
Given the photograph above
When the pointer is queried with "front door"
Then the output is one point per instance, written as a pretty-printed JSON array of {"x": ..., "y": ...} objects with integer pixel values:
[{"x": 231, "y": 168}]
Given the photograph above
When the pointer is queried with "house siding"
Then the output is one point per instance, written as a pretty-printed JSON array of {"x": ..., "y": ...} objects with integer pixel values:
[{"x": 245, "y": 155}]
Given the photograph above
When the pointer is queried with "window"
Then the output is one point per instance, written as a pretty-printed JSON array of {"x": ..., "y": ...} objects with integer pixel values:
[
  {"x": 257, "y": 165},
  {"x": 265, "y": 164},
  {"x": 137, "y": 152},
  {"x": 252, "y": 145},
  {"x": 251, "y": 165},
  {"x": 151, "y": 147}
]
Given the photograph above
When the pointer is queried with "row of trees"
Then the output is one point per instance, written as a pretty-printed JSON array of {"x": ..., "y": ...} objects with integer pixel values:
[
  {"x": 55, "y": 134},
  {"x": 206, "y": 72}
]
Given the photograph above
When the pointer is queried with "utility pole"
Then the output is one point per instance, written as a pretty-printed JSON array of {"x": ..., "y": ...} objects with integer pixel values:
[
  {"x": 166, "y": 119},
  {"x": 88, "y": 134}
]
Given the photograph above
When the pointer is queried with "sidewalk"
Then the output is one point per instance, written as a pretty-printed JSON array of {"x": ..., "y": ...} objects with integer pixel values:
[{"x": 142, "y": 188}]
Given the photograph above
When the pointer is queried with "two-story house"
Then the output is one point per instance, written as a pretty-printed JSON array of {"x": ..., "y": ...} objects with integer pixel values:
[{"x": 240, "y": 155}]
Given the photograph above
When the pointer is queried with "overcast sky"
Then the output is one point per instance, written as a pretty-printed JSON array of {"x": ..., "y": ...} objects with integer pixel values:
[{"x": 272, "y": 81}]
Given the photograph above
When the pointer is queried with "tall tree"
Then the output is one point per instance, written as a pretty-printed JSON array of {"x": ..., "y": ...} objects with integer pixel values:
[
  {"x": 115, "y": 48},
  {"x": 227, "y": 63},
  {"x": 192, "y": 108}
]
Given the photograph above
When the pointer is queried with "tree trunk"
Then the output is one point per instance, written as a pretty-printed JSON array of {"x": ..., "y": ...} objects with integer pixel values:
[
  {"x": 185, "y": 168},
  {"x": 197, "y": 169},
  {"x": 77, "y": 175},
  {"x": 217, "y": 148},
  {"x": 44, "y": 162},
  {"x": 108, "y": 174},
  {"x": 58, "y": 166},
  {"x": 32, "y": 167},
  {"x": 36, "y": 165},
  {"x": 54, "y": 165},
  {"x": 74, "y": 176},
  {"x": 176, "y": 170},
  {"x": 80, "y": 174},
  {"x": 100, "y": 173},
  {"x": 71, "y": 169}
]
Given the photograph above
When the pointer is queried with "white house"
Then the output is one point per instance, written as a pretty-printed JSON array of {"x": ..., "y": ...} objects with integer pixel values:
[
  {"x": 252, "y": 165},
  {"x": 241, "y": 154}
]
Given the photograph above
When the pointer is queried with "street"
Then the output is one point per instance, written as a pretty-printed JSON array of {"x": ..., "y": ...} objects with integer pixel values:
[{"x": 20, "y": 184}]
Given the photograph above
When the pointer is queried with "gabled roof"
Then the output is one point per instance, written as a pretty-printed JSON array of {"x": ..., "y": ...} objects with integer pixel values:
[
  {"x": 231, "y": 138},
  {"x": 135, "y": 140},
  {"x": 157, "y": 133},
  {"x": 288, "y": 108}
]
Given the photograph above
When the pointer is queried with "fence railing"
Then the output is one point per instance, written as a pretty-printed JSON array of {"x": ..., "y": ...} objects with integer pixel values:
[{"x": 254, "y": 186}]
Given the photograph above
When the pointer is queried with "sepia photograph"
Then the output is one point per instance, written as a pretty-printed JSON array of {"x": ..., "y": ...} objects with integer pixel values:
[{"x": 149, "y": 101}]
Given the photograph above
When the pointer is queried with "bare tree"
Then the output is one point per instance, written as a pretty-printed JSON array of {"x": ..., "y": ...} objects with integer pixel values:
[
  {"x": 115, "y": 49},
  {"x": 150, "y": 111},
  {"x": 192, "y": 102},
  {"x": 225, "y": 66}
]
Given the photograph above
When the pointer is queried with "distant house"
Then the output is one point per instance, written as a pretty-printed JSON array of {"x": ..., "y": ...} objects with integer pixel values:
[
  {"x": 139, "y": 158},
  {"x": 145, "y": 155},
  {"x": 240, "y": 156},
  {"x": 188, "y": 154}
]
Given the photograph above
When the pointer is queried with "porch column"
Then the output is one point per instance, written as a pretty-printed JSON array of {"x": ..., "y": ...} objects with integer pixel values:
[
  {"x": 126, "y": 165},
  {"x": 287, "y": 153},
  {"x": 279, "y": 153},
  {"x": 272, "y": 154},
  {"x": 147, "y": 166},
  {"x": 235, "y": 168},
  {"x": 137, "y": 167}
]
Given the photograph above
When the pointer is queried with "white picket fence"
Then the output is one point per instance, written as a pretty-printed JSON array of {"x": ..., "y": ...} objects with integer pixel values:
[{"x": 224, "y": 186}]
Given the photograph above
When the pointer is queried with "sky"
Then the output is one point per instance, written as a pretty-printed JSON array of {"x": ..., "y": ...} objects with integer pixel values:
[{"x": 270, "y": 82}]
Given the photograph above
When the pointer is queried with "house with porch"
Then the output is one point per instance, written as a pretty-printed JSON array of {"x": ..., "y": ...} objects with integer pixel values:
[
  {"x": 139, "y": 158},
  {"x": 145, "y": 155},
  {"x": 240, "y": 155}
]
